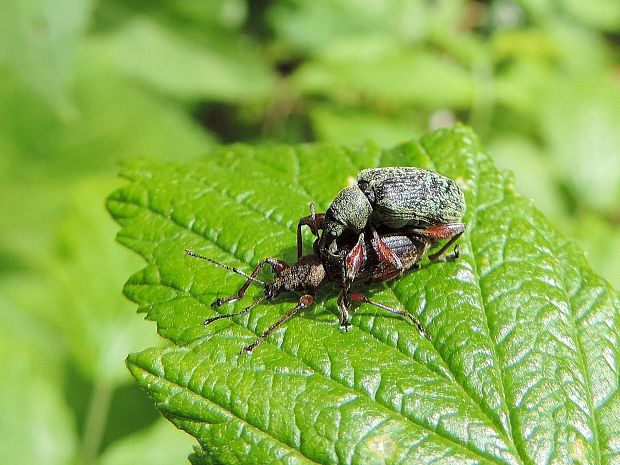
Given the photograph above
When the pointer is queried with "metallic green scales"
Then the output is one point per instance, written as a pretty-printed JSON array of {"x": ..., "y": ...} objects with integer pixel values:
[{"x": 407, "y": 196}]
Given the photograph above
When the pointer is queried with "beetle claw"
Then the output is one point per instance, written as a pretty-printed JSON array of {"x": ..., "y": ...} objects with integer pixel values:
[{"x": 345, "y": 325}]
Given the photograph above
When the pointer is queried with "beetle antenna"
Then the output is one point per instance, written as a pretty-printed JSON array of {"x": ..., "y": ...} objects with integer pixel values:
[{"x": 191, "y": 253}]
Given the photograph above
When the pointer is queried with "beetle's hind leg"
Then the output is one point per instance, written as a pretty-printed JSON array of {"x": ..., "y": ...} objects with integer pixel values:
[
  {"x": 359, "y": 297},
  {"x": 438, "y": 233}
]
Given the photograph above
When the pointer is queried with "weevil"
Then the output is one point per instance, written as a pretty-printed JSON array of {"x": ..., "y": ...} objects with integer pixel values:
[
  {"x": 414, "y": 201},
  {"x": 308, "y": 274}
]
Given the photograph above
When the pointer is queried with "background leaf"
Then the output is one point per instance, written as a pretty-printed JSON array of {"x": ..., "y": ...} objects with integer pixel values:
[
  {"x": 38, "y": 41},
  {"x": 86, "y": 83},
  {"x": 523, "y": 367},
  {"x": 33, "y": 413},
  {"x": 184, "y": 68},
  {"x": 160, "y": 444}
]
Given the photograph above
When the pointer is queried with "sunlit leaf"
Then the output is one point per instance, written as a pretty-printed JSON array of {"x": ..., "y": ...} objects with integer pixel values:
[{"x": 523, "y": 363}]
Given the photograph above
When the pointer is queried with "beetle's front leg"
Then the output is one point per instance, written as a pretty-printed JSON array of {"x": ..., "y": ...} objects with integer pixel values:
[
  {"x": 314, "y": 221},
  {"x": 343, "y": 306},
  {"x": 353, "y": 262},
  {"x": 277, "y": 266}
]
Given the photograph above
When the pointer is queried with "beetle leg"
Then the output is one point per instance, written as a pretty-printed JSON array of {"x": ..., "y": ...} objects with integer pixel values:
[
  {"x": 314, "y": 222},
  {"x": 208, "y": 321},
  {"x": 443, "y": 231},
  {"x": 304, "y": 302},
  {"x": 359, "y": 297},
  {"x": 354, "y": 261},
  {"x": 343, "y": 306},
  {"x": 387, "y": 256},
  {"x": 277, "y": 266}
]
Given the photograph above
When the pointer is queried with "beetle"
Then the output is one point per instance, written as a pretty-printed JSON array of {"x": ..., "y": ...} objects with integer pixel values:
[
  {"x": 308, "y": 274},
  {"x": 414, "y": 201}
]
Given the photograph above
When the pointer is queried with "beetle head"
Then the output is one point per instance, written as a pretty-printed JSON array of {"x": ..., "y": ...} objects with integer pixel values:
[
  {"x": 350, "y": 210},
  {"x": 272, "y": 290}
]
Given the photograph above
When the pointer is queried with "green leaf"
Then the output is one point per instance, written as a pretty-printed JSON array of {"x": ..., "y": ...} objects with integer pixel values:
[
  {"x": 583, "y": 138},
  {"x": 36, "y": 420},
  {"x": 144, "y": 50},
  {"x": 38, "y": 41},
  {"x": 374, "y": 71},
  {"x": 160, "y": 444},
  {"x": 95, "y": 324},
  {"x": 523, "y": 366}
]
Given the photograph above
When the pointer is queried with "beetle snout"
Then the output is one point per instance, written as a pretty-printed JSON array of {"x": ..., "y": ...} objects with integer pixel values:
[{"x": 270, "y": 291}]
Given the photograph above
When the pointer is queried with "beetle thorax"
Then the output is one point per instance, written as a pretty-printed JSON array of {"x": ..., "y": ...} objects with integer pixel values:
[{"x": 307, "y": 274}]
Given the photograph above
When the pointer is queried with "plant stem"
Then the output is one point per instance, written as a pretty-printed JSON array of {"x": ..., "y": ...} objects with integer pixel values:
[{"x": 96, "y": 420}]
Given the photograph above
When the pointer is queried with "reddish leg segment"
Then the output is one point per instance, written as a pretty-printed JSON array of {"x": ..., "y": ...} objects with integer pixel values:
[
  {"x": 314, "y": 222},
  {"x": 354, "y": 260},
  {"x": 443, "y": 231},
  {"x": 387, "y": 256}
]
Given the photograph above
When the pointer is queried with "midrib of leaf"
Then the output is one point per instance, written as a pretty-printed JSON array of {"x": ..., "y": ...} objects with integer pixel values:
[
  {"x": 568, "y": 298},
  {"x": 506, "y": 427},
  {"x": 580, "y": 366},
  {"x": 580, "y": 354},
  {"x": 485, "y": 302},
  {"x": 472, "y": 224},
  {"x": 257, "y": 333}
]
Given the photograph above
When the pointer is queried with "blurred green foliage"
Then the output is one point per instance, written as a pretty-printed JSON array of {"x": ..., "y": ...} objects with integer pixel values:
[{"x": 84, "y": 84}]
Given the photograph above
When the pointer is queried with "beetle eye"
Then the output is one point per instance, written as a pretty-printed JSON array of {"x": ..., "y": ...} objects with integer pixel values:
[{"x": 270, "y": 292}]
